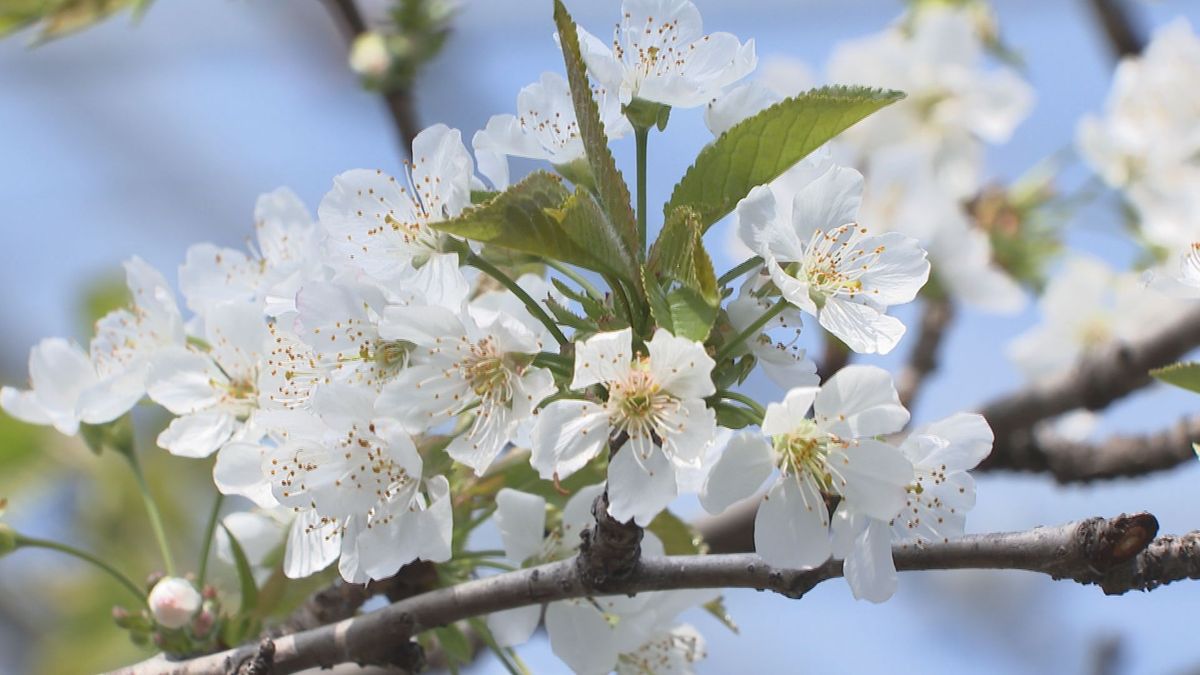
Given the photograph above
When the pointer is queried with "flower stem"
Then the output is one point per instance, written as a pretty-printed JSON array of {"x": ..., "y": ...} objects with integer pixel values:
[
  {"x": 576, "y": 277},
  {"x": 205, "y": 548},
  {"x": 474, "y": 260},
  {"x": 642, "y": 135},
  {"x": 751, "y": 331},
  {"x": 156, "y": 524},
  {"x": 555, "y": 362},
  {"x": 86, "y": 557},
  {"x": 738, "y": 271},
  {"x": 744, "y": 399}
]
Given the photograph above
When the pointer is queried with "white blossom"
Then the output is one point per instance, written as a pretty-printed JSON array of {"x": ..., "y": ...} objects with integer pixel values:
[
  {"x": 1086, "y": 307},
  {"x": 544, "y": 128},
  {"x": 1181, "y": 282},
  {"x": 657, "y": 399},
  {"x": 786, "y": 364},
  {"x": 375, "y": 223},
  {"x": 659, "y": 53},
  {"x": 822, "y": 261},
  {"x": 833, "y": 452}
]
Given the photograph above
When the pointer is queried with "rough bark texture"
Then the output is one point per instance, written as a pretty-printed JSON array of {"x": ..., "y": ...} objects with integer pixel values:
[
  {"x": 608, "y": 551},
  {"x": 1117, "y": 554}
]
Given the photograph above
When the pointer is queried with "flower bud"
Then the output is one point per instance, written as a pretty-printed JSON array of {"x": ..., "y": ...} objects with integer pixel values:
[
  {"x": 174, "y": 601},
  {"x": 369, "y": 55}
]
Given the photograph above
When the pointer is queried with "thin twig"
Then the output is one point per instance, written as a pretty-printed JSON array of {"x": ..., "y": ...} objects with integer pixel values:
[
  {"x": 936, "y": 317},
  {"x": 1118, "y": 554},
  {"x": 1125, "y": 37}
]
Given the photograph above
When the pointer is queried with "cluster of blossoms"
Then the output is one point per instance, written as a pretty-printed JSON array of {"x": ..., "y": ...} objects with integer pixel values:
[
  {"x": 355, "y": 375},
  {"x": 1147, "y": 141}
]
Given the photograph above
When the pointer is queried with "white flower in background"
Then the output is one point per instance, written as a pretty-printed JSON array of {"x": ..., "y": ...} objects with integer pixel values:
[
  {"x": 1087, "y": 307},
  {"x": 544, "y": 128},
  {"x": 935, "y": 508},
  {"x": 592, "y": 635},
  {"x": 215, "y": 392},
  {"x": 375, "y": 224},
  {"x": 778, "y": 78},
  {"x": 902, "y": 195},
  {"x": 259, "y": 533},
  {"x": 781, "y": 360},
  {"x": 657, "y": 399},
  {"x": 826, "y": 264},
  {"x": 361, "y": 480},
  {"x": 173, "y": 602},
  {"x": 1182, "y": 282},
  {"x": 69, "y": 386},
  {"x": 287, "y": 255},
  {"x": 465, "y": 370},
  {"x": 369, "y": 55},
  {"x": 659, "y": 53},
  {"x": 833, "y": 452},
  {"x": 953, "y": 102}
]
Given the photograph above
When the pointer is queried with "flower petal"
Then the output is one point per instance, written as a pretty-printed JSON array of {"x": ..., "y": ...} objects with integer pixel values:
[
  {"x": 744, "y": 465},
  {"x": 791, "y": 528}
]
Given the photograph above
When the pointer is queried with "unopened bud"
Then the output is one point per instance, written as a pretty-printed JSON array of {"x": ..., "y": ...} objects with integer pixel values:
[
  {"x": 209, "y": 592},
  {"x": 120, "y": 615},
  {"x": 369, "y": 55},
  {"x": 173, "y": 602},
  {"x": 203, "y": 623}
]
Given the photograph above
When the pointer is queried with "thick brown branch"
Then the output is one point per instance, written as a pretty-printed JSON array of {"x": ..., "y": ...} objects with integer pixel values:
[
  {"x": 1124, "y": 37},
  {"x": 1118, "y": 554},
  {"x": 923, "y": 360},
  {"x": 1096, "y": 381}
]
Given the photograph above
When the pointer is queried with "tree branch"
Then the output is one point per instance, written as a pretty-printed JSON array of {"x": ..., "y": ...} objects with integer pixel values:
[
  {"x": 923, "y": 360},
  {"x": 1118, "y": 554},
  {"x": 400, "y": 103},
  {"x": 1125, "y": 38},
  {"x": 1096, "y": 382}
]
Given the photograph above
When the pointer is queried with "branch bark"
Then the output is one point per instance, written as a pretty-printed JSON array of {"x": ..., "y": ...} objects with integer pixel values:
[
  {"x": 1125, "y": 38},
  {"x": 936, "y": 317},
  {"x": 1096, "y": 382},
  {"x": 1118, "y": 554}
]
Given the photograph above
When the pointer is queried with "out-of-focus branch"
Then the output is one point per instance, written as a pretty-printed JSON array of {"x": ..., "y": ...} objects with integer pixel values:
[
  {"x": 835, "y": 357},
  {"x": 1125, "y": 36},
  {"x": 1118, "y": 554},
  {"x": 400, "y": 103},
  {"x": 936, "y": 317},
  {"x": 1094, "y": 383}
]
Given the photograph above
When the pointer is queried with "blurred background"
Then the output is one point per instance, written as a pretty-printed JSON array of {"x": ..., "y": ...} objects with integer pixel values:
[{"x": 142, "y": 139}]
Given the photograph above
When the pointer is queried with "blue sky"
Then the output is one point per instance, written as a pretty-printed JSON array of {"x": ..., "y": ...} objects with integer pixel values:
[{"x": 141, "y": 140}]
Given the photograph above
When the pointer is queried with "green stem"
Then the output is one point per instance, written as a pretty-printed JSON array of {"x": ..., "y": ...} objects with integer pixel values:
[
  {"x": 209, "y": 532},
  {"x": 505, "y": 656},
  {"x": 738, "y": 271},
  {"x": 554, "y": 362},
  {"x": 642, "y": 135},
  {"x": 156, "y": 524},
  {"x": 742, "y": 398},
  {"x": 534, "y": 308},
  {"x": 752, "y": 330},
  {"x": 86, "y": 557},
  {"x": 576, "y": 277},
  {"x": 622, "y": 301}
]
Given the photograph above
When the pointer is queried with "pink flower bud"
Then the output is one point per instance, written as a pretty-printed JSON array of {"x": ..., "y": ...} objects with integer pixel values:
[{"x": 174, "y": 601}]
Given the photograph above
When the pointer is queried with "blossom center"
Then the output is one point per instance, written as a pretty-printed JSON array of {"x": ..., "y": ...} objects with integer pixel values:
[
  {"x": 487, "y": 371},
  {"x": 805, "y": 450},
  {"x": 834, "y": 264}
]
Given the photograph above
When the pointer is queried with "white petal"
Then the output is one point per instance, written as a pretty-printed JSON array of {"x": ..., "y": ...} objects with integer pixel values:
[
  {"x": 442, "y": 170},
  {"x": 869, "y": 569},
  {"x": 238, "y": 471},
  {"x": 437, "y": 521},
  {"x": 968, "y": 440},
  {"x": 681, "y": 366},
  {"x": 182, "y": 381},
  {"x": 864, "y": 329},
  {"x": 604, "y": 357},
  {"x": 829, "y": 201},
  {"x": 310, "y": 546},
  {"x": 860, "y": 401},
  {"x": 742, "y": 468},
  {"x": 521, "y": 518},
  {"x": 581, "y": 637},
  {"x": 514, "y": 627},
  {"x": 23, "y": 405},
  {"x": 639, "y": 488},
  {"x": 567, "y": 435},
  {"x": 898, "y": 273},
  {"x": 198, "y": 434},
  {"x": 737, "y": 104},
  {"x": 872, "y": 476},
  {"x": 791, "y": 528},
  {"x": 782, "y": 418}
]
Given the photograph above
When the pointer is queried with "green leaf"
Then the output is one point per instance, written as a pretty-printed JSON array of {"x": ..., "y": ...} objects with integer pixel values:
[
  {"x": 245, "y": 574},
  {"x": 610, "y": 185},
  {"x": 717, "y": 609},
  {"x": 690, "y": 308},
  {"x": 692, "y": 315},
  {"x": 1185, "y": 375},
  {"x": 678, "y": 538},
  {"x": 586, "y": 224},
  {"x": 454, "y": 643},
  {"x": 760, "y": 148},
  {"x": 733, "y": 416}
]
